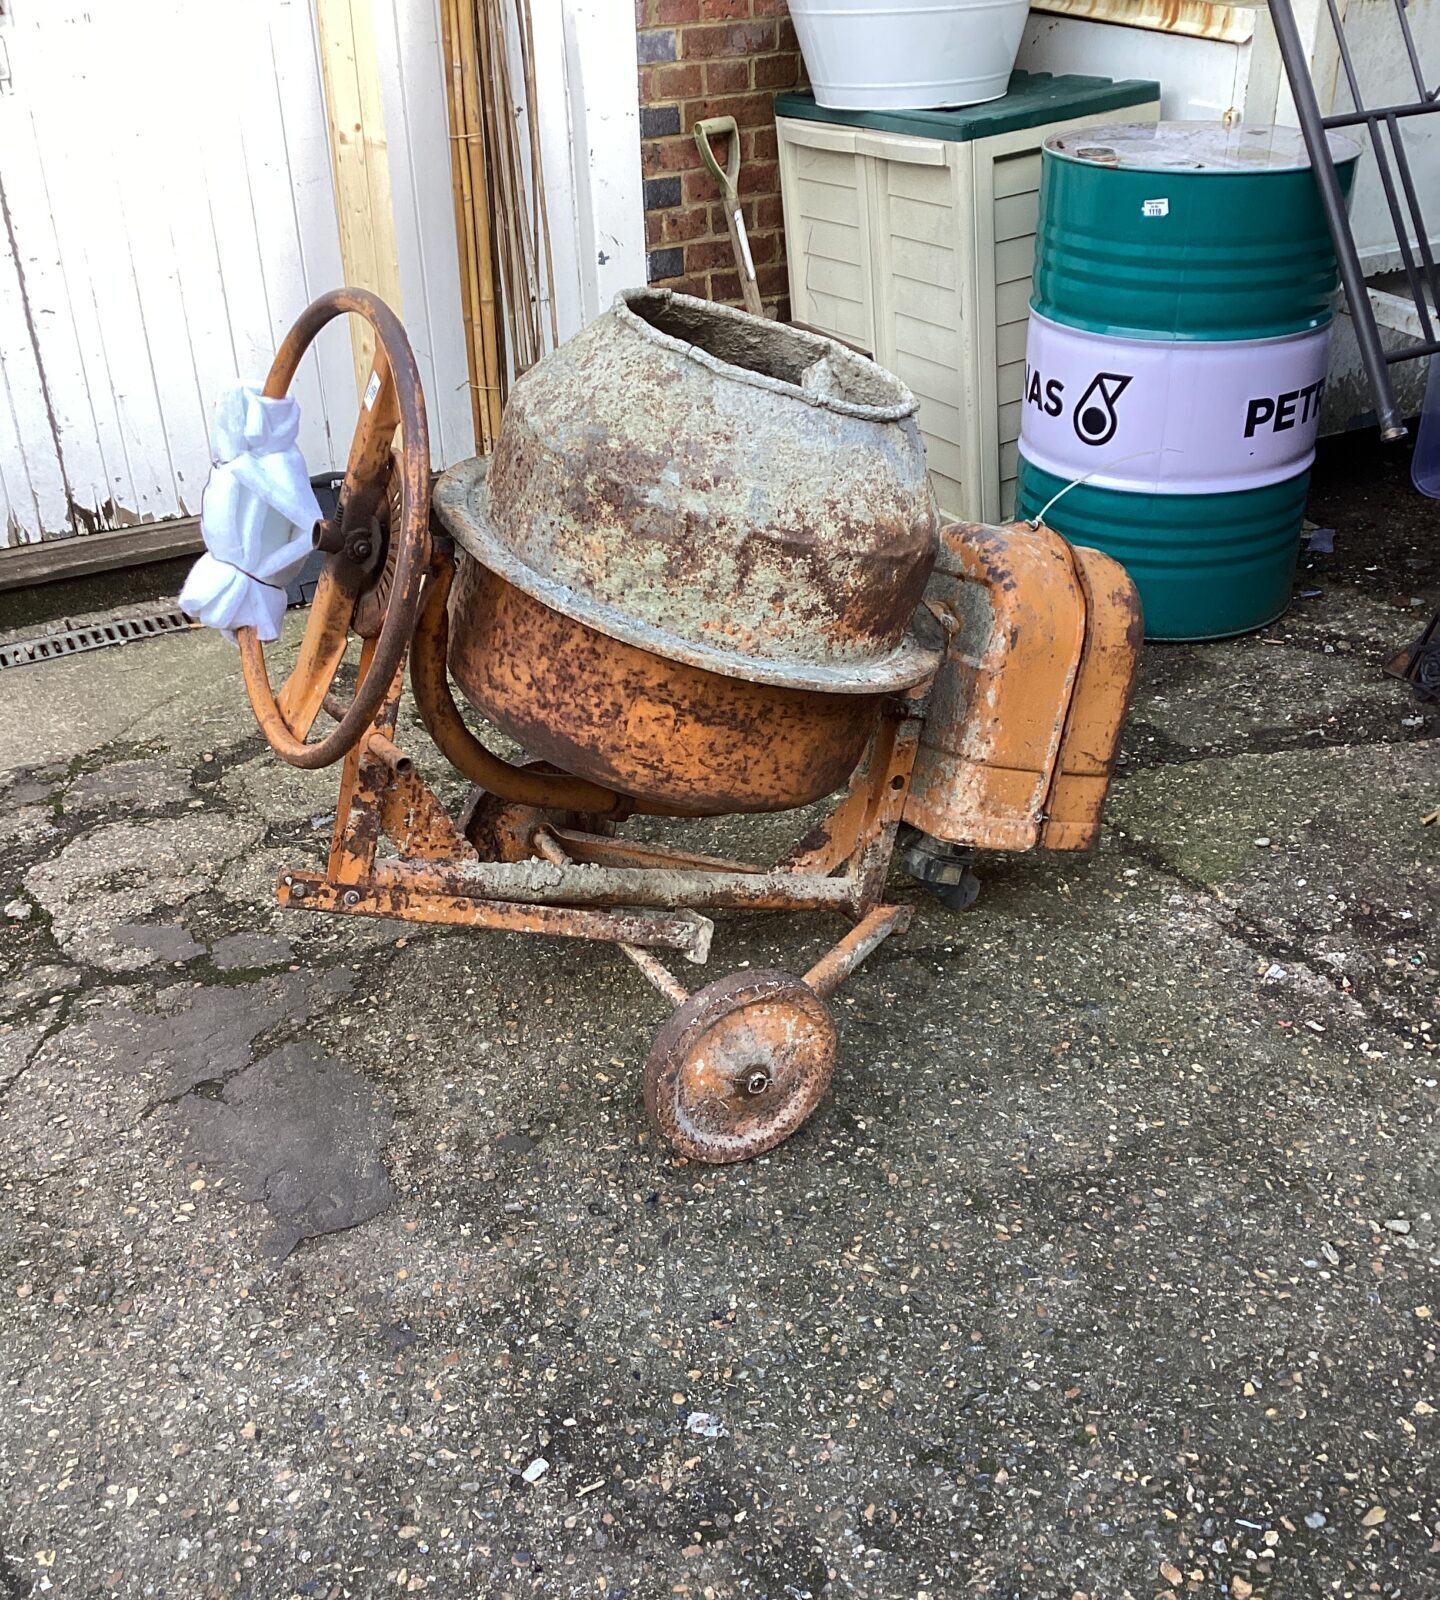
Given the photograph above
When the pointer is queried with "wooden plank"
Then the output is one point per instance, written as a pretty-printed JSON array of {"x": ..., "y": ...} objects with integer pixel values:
[
  {"x": 924, "y": 263},
  {"x": 364, "y": 204},
  {"x": 929, "y": 378},
  {"x": 1010, "y": 381},
  {"x": 943, "y": 456},
  {"x": 1017, "y": 175},
  {"x": 925, "y": 302},
  {"x": 1015, "y": 259},
  {"x": 46, "y": 303},
  {"x": 1010, "y": 341},
  {"x": 413, "y": 92},
  {"x": 931, "y": 185},
  {"x": 81, "y": 126},
  {"x": 18, "y": 507},
  {"x": 834, "y": 314},
  {"x": 831, "y": 242},
  {"x": 843, "y": 279},
  {"x": 949, "y": 494},
  {"x": 922, "y": 220},
  {"x": 288, "y": 160},
  {"x": 825, "y": 166},
  {"x": 827, "y": 202},
  {"x": 931, "y": 341},
  {"x": 38, "y": 455},
  {"x": 1017, "y": 216},
  {"x": 1009, "y": 421},
  {"x": 1012, "y": 301},
  {"x": 54, "y": 559}
]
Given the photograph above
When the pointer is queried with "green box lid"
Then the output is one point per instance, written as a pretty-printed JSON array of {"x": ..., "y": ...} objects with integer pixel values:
[{"x": 1033, "y": 99}]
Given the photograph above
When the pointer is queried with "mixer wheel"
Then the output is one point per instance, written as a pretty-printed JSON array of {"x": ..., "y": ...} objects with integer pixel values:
[{"x": 740, "y": 1065}]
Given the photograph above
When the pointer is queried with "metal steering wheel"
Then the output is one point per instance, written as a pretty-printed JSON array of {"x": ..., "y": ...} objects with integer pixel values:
[{"x": 378, "y": 543}]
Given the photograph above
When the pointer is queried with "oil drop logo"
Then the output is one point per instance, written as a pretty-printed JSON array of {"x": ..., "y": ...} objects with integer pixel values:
[{"x": 1095, "y": 416}]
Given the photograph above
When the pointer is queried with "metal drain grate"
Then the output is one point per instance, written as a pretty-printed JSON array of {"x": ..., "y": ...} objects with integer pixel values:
[{"x": 52, "y": 646}]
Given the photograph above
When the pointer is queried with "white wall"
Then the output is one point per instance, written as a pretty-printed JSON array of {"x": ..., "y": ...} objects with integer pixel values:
[
  {"x": 166, "y": 178},
  {"x": 588, "y": 87}
]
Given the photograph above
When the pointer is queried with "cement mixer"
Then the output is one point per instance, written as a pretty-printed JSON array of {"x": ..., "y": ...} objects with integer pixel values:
[{"x": 702, "y": 574}]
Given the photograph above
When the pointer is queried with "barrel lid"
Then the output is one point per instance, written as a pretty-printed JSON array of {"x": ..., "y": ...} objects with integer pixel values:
[{"x": 1199, "y": 147}]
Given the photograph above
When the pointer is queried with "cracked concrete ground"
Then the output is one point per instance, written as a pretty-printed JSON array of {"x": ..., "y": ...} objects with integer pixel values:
[{"x": 337, "y": 1259}]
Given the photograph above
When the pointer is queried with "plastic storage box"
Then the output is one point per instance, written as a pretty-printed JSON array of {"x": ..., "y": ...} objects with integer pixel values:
[{"x": 912, "y": 234}]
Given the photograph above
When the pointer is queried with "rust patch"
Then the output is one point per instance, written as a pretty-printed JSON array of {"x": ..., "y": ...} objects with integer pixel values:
[{"x": 670, "y": 734}]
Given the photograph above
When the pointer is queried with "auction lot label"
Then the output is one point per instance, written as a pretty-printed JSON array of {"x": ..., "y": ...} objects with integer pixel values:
[{"x": 1166, "y": 418}]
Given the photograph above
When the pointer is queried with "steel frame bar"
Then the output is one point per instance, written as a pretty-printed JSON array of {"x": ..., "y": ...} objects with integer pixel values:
[
  {"x": 394, "y": 894},
  {"x": 826, "y": 976},
  {"x": 1422, "y": 278},
  {"x": 621, "y": 891}
]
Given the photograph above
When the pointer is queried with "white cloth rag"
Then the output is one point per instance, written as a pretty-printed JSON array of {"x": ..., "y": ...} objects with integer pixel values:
[{"x": 257, "y": 515}]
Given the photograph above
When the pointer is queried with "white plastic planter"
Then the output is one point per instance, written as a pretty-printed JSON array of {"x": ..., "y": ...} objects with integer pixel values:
[{"x": 908, "y": 55}]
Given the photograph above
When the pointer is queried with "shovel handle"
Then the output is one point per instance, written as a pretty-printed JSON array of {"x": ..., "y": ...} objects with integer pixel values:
[{"x": 714, "y": 128}]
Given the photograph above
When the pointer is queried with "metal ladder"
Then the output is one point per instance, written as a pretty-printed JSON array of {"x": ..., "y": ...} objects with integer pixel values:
[{"x": 1416, "y": 255}]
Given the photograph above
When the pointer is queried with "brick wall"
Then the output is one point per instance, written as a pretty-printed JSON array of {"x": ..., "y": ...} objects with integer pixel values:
[{"x": 713, "y": 58}]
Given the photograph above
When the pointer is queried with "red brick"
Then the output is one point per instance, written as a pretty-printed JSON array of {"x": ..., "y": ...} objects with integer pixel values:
[
  {"x": 724, "y": 10},
  {"x": 770, "y": 8},
  {"x": 769, "y": 212},
  {"x": 728, "y": 39},
  {"x": 773, "y": 279},
  {"x": 777, "y": 72},
  {"x": 661, "y": 84},
  {"x": 709, "y": 254},
  {"x": 725, "y": 77},
  {"x": 747, "y": 109},
  {"x": 761, "y": 144},
  {"x": 673, "y": 13},
  {"x": 725, "y": 286},
  {"x": 682, "y": 226},
  {"x": 764, "y": 247},
  {"x": 654, "y": 229},
  {"x": 719, "y": 221},
  {"x": 668, "y": 155},
  {"x": 760, "y": 177},
  {"x": 697, "y": 188},
  {"x": 786, "y": 38}
]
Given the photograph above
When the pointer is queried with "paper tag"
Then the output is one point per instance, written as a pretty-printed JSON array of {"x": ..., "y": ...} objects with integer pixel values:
[
  {"x": 1154, "y": 208},
  {"x": 371, "y": 390}
]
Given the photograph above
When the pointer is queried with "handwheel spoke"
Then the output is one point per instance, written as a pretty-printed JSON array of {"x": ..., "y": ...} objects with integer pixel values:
[
  {"x": 321, "y": 651},
  {"x": 367, "y": 470}
]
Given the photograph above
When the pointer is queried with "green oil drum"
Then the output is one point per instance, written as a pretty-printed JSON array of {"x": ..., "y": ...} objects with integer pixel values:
[{"x": 1184, "y": 287}]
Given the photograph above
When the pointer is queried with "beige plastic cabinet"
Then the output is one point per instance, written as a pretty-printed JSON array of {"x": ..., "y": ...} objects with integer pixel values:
[{"x": 912, "y": 235}]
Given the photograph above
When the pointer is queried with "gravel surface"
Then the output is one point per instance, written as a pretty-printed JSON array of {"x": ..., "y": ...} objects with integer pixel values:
[{"x": 336, "y": 1258}]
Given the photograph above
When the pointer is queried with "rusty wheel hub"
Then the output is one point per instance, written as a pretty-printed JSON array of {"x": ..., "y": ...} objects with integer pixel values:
[{"x": 740, "y": 1066}]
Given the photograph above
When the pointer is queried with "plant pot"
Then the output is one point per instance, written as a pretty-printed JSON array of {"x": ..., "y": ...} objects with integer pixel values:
[{"x": 902, "y": 55}]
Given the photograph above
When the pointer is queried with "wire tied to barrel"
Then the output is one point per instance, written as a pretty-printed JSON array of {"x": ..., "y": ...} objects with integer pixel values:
[{"x": 1104, "y": 466}]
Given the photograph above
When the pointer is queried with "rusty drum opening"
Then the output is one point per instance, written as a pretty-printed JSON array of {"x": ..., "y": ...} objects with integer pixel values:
[{"x": 820, "y": 371}]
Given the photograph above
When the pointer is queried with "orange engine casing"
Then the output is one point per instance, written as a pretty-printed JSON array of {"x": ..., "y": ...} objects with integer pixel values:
[{"x": 1025, "y": 712}]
